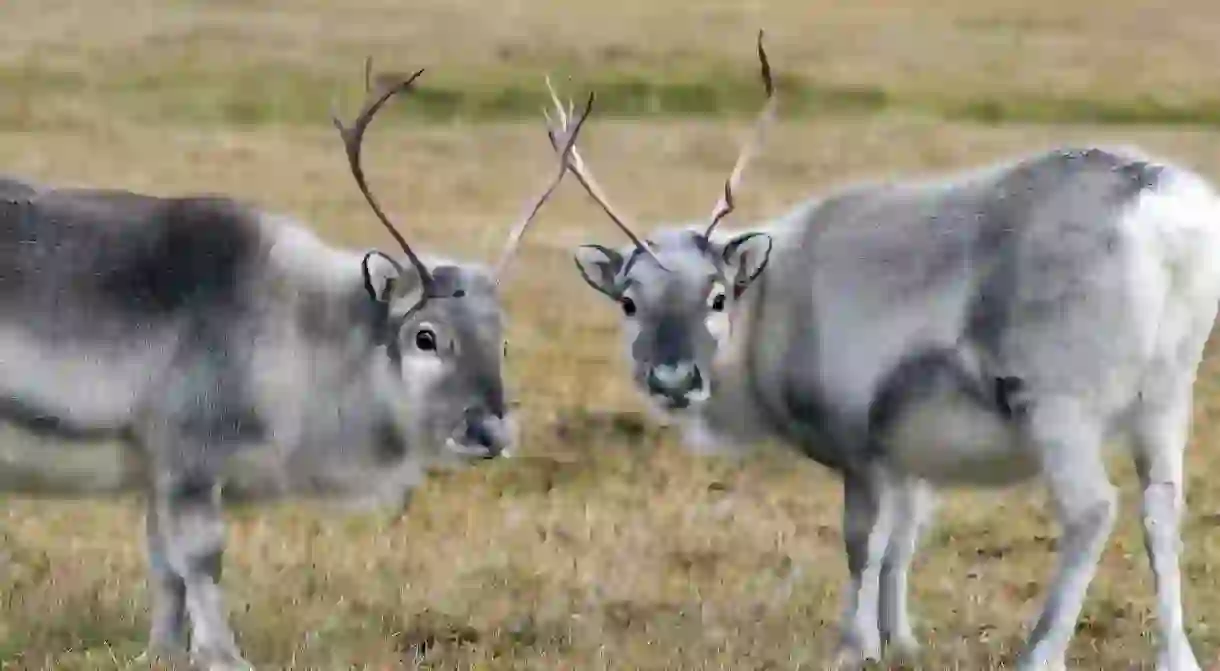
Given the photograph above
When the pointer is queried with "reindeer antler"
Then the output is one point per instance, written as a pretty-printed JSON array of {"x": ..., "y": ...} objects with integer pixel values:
[
  {"x": 725, "y": 205},
  {"x": 576, "y": 164},
  {"x": 353, "y": 137},
  {"x": 569, "y": 145}
]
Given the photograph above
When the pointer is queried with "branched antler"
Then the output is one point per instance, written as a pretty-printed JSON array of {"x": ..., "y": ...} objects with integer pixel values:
[
  {"x": 563, "y": 141},
  {"x": 568, "y": 147},
  {"x": 725, "y": 205},
  {"x": 556, "y": 129},
  {"x": 353, "y": 137}
]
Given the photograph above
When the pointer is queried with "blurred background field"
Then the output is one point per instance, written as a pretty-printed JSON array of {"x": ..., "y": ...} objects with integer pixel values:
[{"x": 605, "y": 546}]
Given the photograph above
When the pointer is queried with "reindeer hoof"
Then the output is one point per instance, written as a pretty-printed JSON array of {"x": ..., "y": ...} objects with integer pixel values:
[
  {"x": 1042, "y": 665},
  {"x": 902, "y": 649},
  {"x": 1177, "y": 661},
  {"x": 221, "y": 661},
  {"x": 851, "y": 658},
  {"x": 164, "y": 656}
]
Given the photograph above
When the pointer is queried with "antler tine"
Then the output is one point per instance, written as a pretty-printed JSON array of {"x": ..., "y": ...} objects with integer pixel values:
[
  {"x": 577, "y": 165},
  {"x": 353, "y": 138},
  {"x": 725, "y": 205},
  {"x": 569, "y": 143}
]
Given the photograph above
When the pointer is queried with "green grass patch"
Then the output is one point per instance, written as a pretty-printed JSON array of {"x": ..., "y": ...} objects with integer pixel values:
[
  {"x": 265, "y": 94},
  {"x": 1036, "y": 109}
]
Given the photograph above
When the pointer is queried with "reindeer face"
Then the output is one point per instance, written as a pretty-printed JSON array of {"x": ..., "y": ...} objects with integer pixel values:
[
  {"x": 442, "y": 329},
  {"x": 675, "y": 317},
  {"x": 674, "y": 291},
  {"x": 446, "y": 356}
]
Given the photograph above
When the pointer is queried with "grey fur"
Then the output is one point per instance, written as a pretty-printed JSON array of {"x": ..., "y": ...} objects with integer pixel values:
[
  {"x": 976, "y": 330},
  {"x": 210, "y": 339}
]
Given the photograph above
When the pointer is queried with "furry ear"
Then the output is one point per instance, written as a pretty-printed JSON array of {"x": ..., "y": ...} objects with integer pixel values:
[
  {"x": 381, "y": 275},
  {"x": 599, "y": 266},
  {"x": 745, "y": 256}
]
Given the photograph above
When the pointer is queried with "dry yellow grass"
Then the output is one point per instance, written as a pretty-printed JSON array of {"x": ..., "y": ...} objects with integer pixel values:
[{"x": 605, "y": 546}]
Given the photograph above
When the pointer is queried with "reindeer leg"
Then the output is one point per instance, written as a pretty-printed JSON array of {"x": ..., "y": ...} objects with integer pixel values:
[
  {"x": 866, "y": 530},
  {"x": 189, "y": 510},
  {"x": 913, "y": 505},
  {"x": 1069, "y": 441},
  {"x": 167, "y": 635},
  {"x": 1160, "y": 430}
]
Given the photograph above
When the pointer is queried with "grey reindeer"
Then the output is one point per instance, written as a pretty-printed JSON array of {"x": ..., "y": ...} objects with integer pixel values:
[
  {"x": 980, "y": 329},
  {"x": 208, "y": 338}
]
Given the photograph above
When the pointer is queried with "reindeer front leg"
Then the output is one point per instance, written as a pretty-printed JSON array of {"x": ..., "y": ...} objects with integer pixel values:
[
  {"x": 188, "y": 510},
  {"x": 913, "y": 506},
  {"x": 167, "y": 633},
  {"x": 866, "y": 530}
]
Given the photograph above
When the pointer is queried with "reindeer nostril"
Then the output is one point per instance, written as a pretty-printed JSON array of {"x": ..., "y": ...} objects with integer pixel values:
[{"x": 477, "y": 434}]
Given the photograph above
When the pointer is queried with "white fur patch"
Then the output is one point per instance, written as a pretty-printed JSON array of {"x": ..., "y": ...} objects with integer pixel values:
[
  {"x": 420, "y": 373},
  {"x": 719, "y": 326},
  {"x": 298, "y": 253},
  {"x": 91, "y": 386},
  {"x": 1180, "y": 221}
]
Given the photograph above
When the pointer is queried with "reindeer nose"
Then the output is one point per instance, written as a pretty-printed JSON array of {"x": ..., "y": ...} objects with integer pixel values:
[
  {"x": 478, "y": 434},
  {"x": 674, "y": 380},
  {"x": 483, "y": 430}
]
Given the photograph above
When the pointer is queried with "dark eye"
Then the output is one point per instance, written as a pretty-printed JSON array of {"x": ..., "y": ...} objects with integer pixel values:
[
  {"x": 628, "y": 306},
  {"x": 718, "y": 302},
  {"x": 425, "y": 340}
]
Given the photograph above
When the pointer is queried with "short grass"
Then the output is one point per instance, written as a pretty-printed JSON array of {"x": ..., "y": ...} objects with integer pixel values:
[
  {"x": 228, "y": 62},
  {"x": 605, "y": 546}
]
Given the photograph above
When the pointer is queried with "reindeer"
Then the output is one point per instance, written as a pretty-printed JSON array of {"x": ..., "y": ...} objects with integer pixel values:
[
  {"x": 207, "y": 336},
  {"x": 981, "y": 329}
]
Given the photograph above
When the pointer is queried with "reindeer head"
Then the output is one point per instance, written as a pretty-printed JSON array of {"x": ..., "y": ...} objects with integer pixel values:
[
  {"x": 677, "y": 289},
  {"x": 441, "y": 328}
]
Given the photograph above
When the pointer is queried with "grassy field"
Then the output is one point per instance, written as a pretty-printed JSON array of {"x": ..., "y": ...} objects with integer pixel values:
[{"x": 604, "y": 546}]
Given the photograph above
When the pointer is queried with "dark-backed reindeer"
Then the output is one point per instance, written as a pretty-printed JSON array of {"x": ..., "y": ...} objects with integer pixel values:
[
  {"x": 208, "y": 336},
  {"x": 982, "y": 329}
]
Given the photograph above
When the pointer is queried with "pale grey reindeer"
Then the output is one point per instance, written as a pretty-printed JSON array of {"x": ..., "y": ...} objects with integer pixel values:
[
  {"x": 982, "y": 329},
  {"x": 209, "y": 337}
]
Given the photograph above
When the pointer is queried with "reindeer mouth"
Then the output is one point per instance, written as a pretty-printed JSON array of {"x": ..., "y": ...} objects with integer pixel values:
[
  {"x": 479, "y": 438},
  {"x": 473, "y": 451},
  {"x": 681, "y": 402},
  {"x": 673, "y": 402}
]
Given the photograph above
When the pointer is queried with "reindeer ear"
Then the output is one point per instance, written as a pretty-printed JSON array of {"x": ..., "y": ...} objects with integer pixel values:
[
  {"x": 382, "y": 275},
  {"x": 599, "y": 266},
  {"x": 745, "y": 256}
]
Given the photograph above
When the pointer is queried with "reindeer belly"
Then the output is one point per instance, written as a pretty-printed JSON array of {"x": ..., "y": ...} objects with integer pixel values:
[
  {"x": 44, "y": 466},
  {"x": 935, "y": 419},
  {"x": 64, "y": 408},
  {"x": 950, "y": 438}
]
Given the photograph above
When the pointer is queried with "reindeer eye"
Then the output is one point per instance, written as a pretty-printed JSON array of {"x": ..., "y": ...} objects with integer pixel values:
[
  {"x": 425, "y": 340},
  {"x": 628, "y": 306},
  {"x": 716, "y": 297}
]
